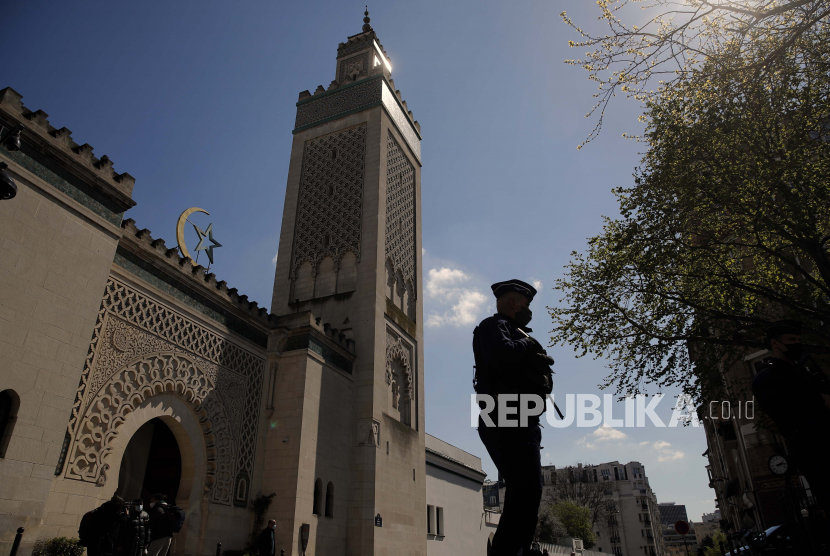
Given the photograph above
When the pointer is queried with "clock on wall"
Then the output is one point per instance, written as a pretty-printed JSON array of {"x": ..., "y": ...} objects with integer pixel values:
[{"x": 778, "y": 464}]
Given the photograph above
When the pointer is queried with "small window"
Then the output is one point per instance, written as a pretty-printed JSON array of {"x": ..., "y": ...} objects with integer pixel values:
[
  {"x": 430, "y": 520},
  {"x": 377, "y": 62},
  {"x": 318, "y": 497},
  {"x": 334, "y": 153},
  {"x": 439, "y": 521},
  {"x": 9, "y": 404},
  {"x": 330, "y": 500}
]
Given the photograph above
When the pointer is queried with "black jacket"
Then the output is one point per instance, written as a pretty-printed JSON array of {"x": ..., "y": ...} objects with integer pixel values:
[
  {"x": 136, "y": 534},
  {"x": 109, "y": 524},
  {"x": 505, "y": 363},
  {"x": 266, "y": 542},
  {"x": 158, "y": 522}
]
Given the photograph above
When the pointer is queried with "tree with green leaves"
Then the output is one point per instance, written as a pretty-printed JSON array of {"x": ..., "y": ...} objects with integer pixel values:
[
  {"x": 577, "y": 521},
  {"x": 682, "y": 39},
  {"x": 714, "y": 549},
  {"x": 724, "y": 230},
  {"x": 549, "y": 528}
]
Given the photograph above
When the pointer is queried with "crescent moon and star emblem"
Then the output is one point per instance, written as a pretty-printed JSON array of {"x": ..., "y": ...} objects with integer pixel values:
[{"x": 204, "y": 236}]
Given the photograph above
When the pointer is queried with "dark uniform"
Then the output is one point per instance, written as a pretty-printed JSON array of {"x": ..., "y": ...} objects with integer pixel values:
[
  {"x": 791, "y": 396},
  {"x": 108, "y": 525},
  {"x": 507, "y": 361},
  {"x": 137, "y": 531}
]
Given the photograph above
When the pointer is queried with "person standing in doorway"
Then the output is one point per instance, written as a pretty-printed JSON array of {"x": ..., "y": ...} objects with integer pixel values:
[
  {"x": 137, "y": 531},
  {"x": 266, "y": 543},
  {"x": 160, "y": 531}
]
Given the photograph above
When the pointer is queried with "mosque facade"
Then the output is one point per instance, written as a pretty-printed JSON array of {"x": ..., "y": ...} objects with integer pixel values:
[{"x": 127, "y": 368}]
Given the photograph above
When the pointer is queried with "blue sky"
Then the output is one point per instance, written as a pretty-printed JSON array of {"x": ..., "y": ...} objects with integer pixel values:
[{"x": 196, "y": 101}]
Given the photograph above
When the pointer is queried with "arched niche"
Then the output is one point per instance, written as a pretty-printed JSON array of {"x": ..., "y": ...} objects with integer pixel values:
[
  {"x": 303, "y": 282},
  {"x": 326, "y": 278},
  {"x": 347, "y": 273}
]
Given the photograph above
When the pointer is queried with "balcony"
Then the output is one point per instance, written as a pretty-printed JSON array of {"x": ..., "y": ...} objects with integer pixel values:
[
  {"x": 646, "y": 522},
  {"x": 615, "y": 540}
]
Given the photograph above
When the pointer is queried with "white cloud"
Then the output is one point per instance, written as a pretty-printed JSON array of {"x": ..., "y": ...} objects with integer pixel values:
[
  {"x": 645, "y": 443},
  {"x": 666, "y": 453},
  {"x": 609, "y": 433},
  {"x": 537, "y": 284},
  {"x": 602, "y": 434},
  {"x": 274, "y": 260},
  {"x": 446, "y": 287}
]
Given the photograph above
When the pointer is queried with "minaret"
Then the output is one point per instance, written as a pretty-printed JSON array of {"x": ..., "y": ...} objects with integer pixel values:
[{"x": 350, "y": 256}]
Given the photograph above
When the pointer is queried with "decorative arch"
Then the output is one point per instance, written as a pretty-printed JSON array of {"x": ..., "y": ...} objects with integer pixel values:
[
  {"x": 142, "y": 348},
  {"x": 139, "y": 381},
  {"x": 179, "y": 415},
  {"x": 395, "y": 351}
]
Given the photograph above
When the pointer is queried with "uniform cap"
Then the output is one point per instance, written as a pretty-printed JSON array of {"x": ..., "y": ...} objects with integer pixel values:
[{"x": 501, "y": 288}]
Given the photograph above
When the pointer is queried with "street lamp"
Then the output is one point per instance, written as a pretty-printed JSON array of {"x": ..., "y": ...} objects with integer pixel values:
[
  {"x": 8, "y": 189},
  {"x": 12, "y": 140}
]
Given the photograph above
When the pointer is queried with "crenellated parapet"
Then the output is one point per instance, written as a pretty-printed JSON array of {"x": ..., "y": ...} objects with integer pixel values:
[
  {"x": 351, "y": 97},
  {"x": 139, "y": 252},
  {"x": 155, "y": 251},
  {"x": 64, "y": 154}
]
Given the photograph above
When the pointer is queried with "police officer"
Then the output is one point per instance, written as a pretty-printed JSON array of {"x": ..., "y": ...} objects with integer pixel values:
[
  {"x": 137, "y": 531},
  {"x": 510, "y": 361},
  {"x": 797, "y": 399}
]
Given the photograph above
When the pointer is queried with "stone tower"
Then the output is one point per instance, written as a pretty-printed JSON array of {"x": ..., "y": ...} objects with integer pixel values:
[{"x": 350, "y": 256}]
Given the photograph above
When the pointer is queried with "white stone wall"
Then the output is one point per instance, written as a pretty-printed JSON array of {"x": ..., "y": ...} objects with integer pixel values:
[
  {"x": 55, "y": 256},
  {"x": 466, "y": 527},
  {"x": 392, "y": 484}
]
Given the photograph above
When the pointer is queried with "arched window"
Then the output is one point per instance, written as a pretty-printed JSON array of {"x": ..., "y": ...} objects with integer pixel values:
[
  {"x": 395, "y": 395},
  {"x": 9, "y": 404},
  {"x": 330, "y": 500},
  {"x": 318, "y": 497}
]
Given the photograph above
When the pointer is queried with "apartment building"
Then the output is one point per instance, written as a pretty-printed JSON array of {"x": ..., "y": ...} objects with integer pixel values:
[
  {"x": 754, "y": 483},
  {"x": 628, "y": 521},
  {"x": 676, "y": 544}
]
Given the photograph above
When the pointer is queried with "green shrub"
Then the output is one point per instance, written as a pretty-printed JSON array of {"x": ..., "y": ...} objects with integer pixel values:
[{"x": 58, "y": 546}]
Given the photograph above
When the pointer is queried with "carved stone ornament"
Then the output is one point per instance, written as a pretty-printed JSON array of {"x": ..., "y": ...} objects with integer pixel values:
[
  {"x": 152, "y": 349},
  {"x": 397, "y": 350},
  {"x": 400, "y": 214},
  {"x": 354, "y": 67},
  {"x": 368, "y": 433},
  {"x": 330, "y": 207}
]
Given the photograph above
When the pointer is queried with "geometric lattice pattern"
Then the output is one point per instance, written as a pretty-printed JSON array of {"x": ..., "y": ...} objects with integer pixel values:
[
  {"x": 330, "y": 208},
  {"x": 141, "y": 347},
  {"x": 400, "y": 213}
]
